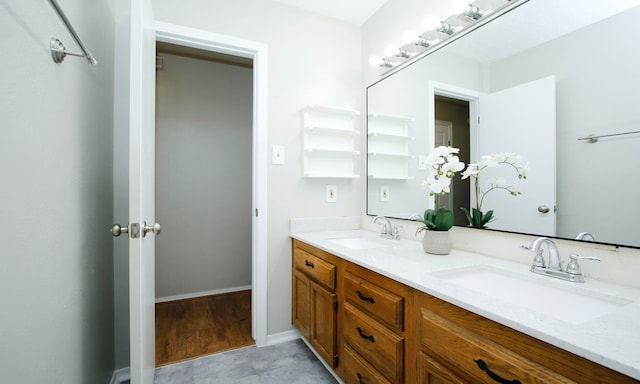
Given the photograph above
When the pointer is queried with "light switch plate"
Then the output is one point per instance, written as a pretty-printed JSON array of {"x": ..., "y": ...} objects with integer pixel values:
[
  {"x": 384, "y": 193},
  {"x": 422, "y": 162},
  {"x": 277, "y": 155},
  {"x": 332, "y": 193}
]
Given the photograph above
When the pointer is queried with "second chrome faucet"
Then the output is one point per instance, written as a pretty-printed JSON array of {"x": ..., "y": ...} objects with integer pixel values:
[
  {"x": 572, "y": 273},
  {"x": 389, "y": 231}
]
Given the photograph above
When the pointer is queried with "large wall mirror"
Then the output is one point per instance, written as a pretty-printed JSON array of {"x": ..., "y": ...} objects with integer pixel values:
[{"x": 534, "y": 81}]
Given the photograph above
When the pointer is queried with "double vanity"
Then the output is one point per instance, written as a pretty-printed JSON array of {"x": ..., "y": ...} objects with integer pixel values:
[{"x": 383, "y": 311}]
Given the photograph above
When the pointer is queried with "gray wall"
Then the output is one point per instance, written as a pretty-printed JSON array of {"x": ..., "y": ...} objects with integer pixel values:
[
  {"x": 56, "y": 196},
  {"x": 203, "y": 175}
]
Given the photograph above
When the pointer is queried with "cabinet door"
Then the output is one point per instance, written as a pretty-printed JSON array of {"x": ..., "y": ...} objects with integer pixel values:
[
  {"x": 432, "y": 372},
  {"x": 323, "y": 325},
  {"x": 300, "y": 310}
]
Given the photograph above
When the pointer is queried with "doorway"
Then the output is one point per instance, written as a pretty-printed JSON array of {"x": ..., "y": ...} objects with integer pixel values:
[
  {"x": 452, "y": 128},
  {"x": 203, "y": 197}
]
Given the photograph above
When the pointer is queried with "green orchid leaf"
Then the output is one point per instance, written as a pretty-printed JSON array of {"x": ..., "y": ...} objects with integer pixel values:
[
  {"x": 487, "y": 217},
  {"x": 467, "y": 214}
]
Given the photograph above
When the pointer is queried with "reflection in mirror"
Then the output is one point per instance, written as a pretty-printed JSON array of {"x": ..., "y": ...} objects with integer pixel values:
[{"x": 583, "y": 69}]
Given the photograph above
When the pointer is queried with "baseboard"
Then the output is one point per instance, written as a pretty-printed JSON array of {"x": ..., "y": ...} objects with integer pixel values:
[
  {"x": 121, "y": 375},
  {"x": 201, "y": 294},
  {"x": 283, "y": 337},
  {"x": 331, "y": 371}
]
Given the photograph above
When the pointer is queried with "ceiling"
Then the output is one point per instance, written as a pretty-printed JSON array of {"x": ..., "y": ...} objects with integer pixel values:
[{"x": 352, "y": 11}]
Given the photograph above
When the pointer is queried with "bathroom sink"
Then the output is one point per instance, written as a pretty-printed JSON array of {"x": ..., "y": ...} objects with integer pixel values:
[
  {"x": 563, "y": 301},
  {"x": 359, "y": 243}
]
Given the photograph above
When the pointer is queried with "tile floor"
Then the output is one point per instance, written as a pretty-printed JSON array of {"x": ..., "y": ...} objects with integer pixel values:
[{"x": 290, "y": 363}]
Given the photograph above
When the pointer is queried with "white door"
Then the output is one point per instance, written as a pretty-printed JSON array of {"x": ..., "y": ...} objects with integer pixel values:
[
  {"x": 142, "y": 192},
  {"x": 522, "y": 119}
]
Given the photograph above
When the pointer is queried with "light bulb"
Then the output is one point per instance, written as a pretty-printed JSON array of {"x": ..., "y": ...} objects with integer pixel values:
[
  {"x": 375, "y": 61},
  {"x": 431, "y": 23},
  {"x": 459, "y": 6},
  {"x": 390, "y": 50}
]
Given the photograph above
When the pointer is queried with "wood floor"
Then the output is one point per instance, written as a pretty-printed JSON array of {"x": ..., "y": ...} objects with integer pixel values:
[{"x": 194, "y": 327}]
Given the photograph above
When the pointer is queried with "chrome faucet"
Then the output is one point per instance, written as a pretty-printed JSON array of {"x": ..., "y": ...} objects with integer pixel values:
[
  {"x": 586, "y": 236},
  {"x": 572, "y": 273},
  {"x": 554, "y": 260},
  {"x": 389, "y": 230}
]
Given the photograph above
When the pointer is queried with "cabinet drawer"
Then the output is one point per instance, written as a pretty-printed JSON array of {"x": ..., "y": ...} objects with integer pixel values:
[
  {"x": 317, "y": 269},
  {"x": 375, "y": 301},
  {"x": 379, "y": 346},
  {"x": 358, "y": 371},
  {"x": 467, "y": 351}
]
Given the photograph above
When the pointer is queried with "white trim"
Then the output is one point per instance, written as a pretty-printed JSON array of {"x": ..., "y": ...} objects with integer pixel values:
[
  {"x": 120, "y": 376},
  {"x": 201, "y": 294},
  {"x": 196, "y": 38},
  {"x": 283, "y": 337}
]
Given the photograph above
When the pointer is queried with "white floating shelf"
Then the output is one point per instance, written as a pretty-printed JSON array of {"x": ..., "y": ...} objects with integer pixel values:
[
  {"x": 333, "y": 130},
  {"x": 396, "y": 155},
  {"x": 329, "y": 142},
  {"x": 330, "y": 176},
  {"x": 391, "y": 117},
  {"x": 332, "y": 151}
]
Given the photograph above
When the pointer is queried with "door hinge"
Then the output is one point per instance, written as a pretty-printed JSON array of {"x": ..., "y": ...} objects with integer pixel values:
[
  {"x": 335, "y": 360},
  {"x": 256, "y": 212},
  {"x": 478, "y": 119},
  {"x": 335, "y": 303}
]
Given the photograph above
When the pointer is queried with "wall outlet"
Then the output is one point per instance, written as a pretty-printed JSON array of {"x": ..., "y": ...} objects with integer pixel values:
[
  {"x": 384, "y": 193},
  {"x": 332, "y": 193},
  {"x": 277, "y": 155}
]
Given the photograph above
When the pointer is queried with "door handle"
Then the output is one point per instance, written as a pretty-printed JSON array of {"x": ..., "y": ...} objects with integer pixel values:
[
  {"x": 117, "y": 230},
  {"x": 155, "y": 228},
  {"x": 543, "y": 209},
  {"x": 132, "y": 230}
]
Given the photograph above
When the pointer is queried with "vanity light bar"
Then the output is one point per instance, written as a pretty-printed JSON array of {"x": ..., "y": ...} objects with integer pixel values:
[{"x": 418, "y": 46}]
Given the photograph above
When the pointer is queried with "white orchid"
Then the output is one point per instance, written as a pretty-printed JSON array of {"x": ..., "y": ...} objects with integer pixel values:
[
  {"x": 444, "y": 164},
  {"x": 476, "y": 217}
]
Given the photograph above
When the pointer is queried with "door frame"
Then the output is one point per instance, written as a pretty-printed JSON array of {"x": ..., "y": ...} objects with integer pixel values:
[
  {"x": 204, "y": 40},
  {"x": 460, "y": 93}
]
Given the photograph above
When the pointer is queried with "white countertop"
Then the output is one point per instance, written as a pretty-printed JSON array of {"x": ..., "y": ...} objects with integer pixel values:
[{"x": 612, "y": 340}]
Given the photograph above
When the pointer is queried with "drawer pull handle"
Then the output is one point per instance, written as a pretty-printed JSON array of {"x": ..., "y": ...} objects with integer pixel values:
[
  {"x": 360, "y": 378},
  {"x": 365, "y": 336},
  {"x": 365, "y": 298},
  {"x": 483, "y": 366},
  {"x": 308, "y": 264}
]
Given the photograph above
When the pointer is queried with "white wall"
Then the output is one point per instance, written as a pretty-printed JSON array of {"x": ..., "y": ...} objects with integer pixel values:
[
  {"x": 312, "y": 60},
  {"x": 55, "y": 201},
  {"x": 203, "y": 175}
]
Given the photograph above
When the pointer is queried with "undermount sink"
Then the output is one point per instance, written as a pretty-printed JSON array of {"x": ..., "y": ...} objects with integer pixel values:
[
  {"x": 358, "y": 243},
  {"x": 562, "y": 301}
]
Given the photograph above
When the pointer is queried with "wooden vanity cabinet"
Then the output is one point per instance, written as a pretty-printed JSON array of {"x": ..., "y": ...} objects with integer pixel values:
[
  {"x": 375, "y": 339},
  {"x": 314, "y": 300},
  {"x": 374, "y": 330},
  {"x": 458, "y": 346}
]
